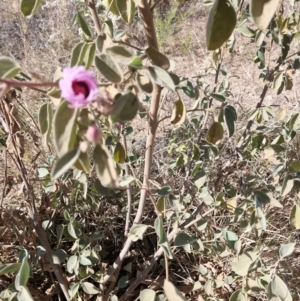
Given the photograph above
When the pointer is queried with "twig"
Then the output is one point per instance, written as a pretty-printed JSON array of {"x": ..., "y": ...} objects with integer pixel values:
[
  {"x": 5, "y": 178},
  {"x": 16, "y": 83}
]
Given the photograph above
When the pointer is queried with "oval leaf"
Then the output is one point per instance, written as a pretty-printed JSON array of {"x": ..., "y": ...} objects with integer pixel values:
[
  {"x": 108, "y": 68},
  {"x": 215, "y": 133},
  {"x": 90, "y": 288},
  {"x": 295, "y": 217},
  {"x": 83, "y": 24},
  {"x": 262, "y": 12},
  {"x": 64, "y": 128},
  {"x": 144, "y": 83},
  {"x": 178, "y": 113},
  {"x": 126, "y": 10},
  {"x": 105, "y": 167},
  {"x": 172, "y": 293},
  {"x": 286, "y": 249},
  {"x": 161, "y": 77},
  {"x": 220, "y": 25},
  {"x": 119, "y": 153},
  {"x": 64, "y": 163},
  {"x": 147, "y": 295},
  {"x": 29, "y": 7},
  {"x": 157, "y": 58},
  {"x": 8, "y": 67},
  {"x": 183, "y": 239}
]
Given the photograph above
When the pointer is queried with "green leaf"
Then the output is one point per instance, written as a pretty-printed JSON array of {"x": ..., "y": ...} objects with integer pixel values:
[
  {"x": 83, "y": 24},
  {"x": 125, "y": 107},
  {"x": 147, "y": 295},
  {"x": 165, "y": 190},
  {"x": 277, "y": 288},
  {"x": 105, "y": 169},
  {"x": 29, "y": 7},
  {"x": 179, "y": 113},
  {"x": 59, "y": 256},
  {"x": 120, "y": 54},
  {"x": 278, "y": 79},
  {"x": 24, "y": 294},
  {"x": 231, "y": 238},
  {"x": 64, "y": 163},
  {"x": 239, "y": 295},
  {"x": 64, "y": 128},
  {"x": 10, "y": 268},
  {"x": 183, "y": 239},
  {"x": 171, "y": 292},
  {"x": 163, "y": 240},
  {"x": 295, "y": 217},
  {"x": 220, "y": 25},
  {"x": 144, "y": 83},
  {"x": 72, "y": 263},
  {"x": 45, "y": 121},
  {"x": 112, "y": 6},
  {"x": 8, "y": 67},
  {"x": 201, "y": 179},
  {"x": 103, "y": 41},
  {"x": 161, "y": 77},
  {"x": 286, "y": 249},
  {"x": 287, "y": 185},
  {"x": 108, "y": 68},
  {"x": 215, "y": 133},
  {"x": 90, "y": 55},
  {"x": 23, "y": 274},
  {"x": 119, "y": 153},
  {"x": 241, "y": 265},
  {"x": 84, "y": 260},
  {"x": 136, "y": 232},
  {"x": 101, "y": 189},
  {"x": 262, "y": 12},
  {"x": 273, "y": 149},
  {"x": 126, "y": 10},
  {"x": 123, "y": 282},
  {"x": 90, "y": 288},
  {"x": 158, "y": 59},
  {"x": 218, "y": 97},
  {"x": 83, "y": 162},
  {"x": 230, "y": 119},
  {"x": 126, "y": 180}
]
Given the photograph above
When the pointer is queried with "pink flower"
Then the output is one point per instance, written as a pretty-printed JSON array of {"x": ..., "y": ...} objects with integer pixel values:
[
  {"x": 93, "y": 134},
  {"x": 78, "y": 86}
]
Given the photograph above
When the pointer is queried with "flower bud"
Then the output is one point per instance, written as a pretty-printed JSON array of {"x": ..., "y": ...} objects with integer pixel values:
[{"x": 93, "y": 134}]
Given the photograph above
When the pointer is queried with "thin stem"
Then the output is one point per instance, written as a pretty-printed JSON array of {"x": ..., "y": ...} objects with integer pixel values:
[
  {"x": 5, "y": 178},
  {"x": 15, "y": 83},
  {"x": 166, "y": 266},
  {"x": 149, "y": 27},
  {"x": 128, "y": 190},
  {"x": 129, "y": 45},
  {"x": 94, "y": 16}
]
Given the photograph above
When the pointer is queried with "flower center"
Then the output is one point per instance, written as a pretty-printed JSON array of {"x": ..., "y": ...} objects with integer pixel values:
[{"x": 81, "y": 87}]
